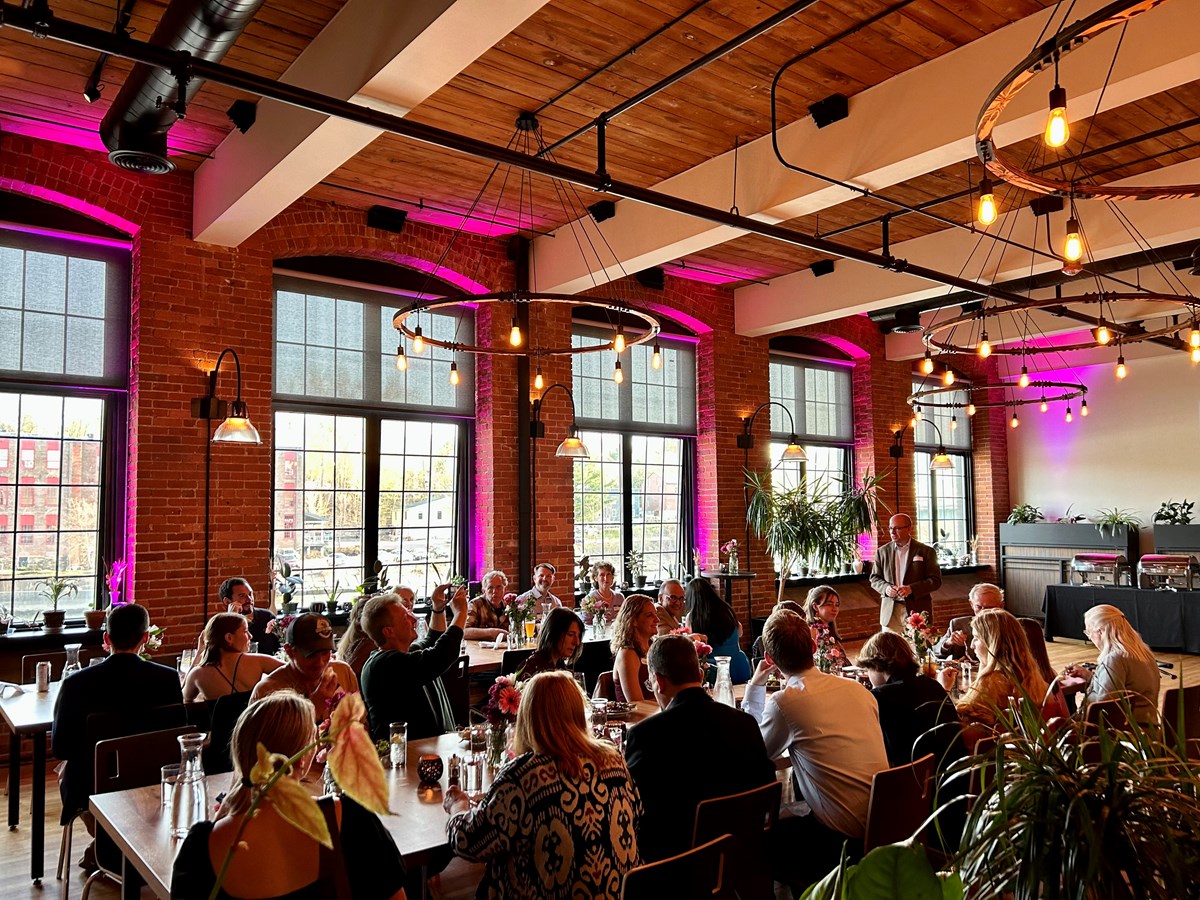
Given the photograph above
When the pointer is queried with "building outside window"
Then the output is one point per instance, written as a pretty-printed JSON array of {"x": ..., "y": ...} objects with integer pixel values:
[
  {"x": 369, "y": 460},
  {"x": 640, "y": 434},
  {"x": 64, "y": 314},
  {"x": 944, "y": 510}
]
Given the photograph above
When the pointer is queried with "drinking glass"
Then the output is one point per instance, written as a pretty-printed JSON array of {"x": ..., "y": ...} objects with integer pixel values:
[
  {"x": 253, "y": 648},
  {"x": 398, "y": 744},
  {"x": 599, "y": 713},
  {"x": 530, "y": 625},
  {"x": 473, "y": 774},
  {"x": 186, "y": 659},
  {"x": 581, "y": 678}
]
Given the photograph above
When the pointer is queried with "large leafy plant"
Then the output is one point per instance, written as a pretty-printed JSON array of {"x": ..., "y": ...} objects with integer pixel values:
[
  {"x": 810, "y": 522},
  {"x": 1025, "y": 514},
  {"x": 1107, "y": 521},
  {"x": 1174, "y": 512}
]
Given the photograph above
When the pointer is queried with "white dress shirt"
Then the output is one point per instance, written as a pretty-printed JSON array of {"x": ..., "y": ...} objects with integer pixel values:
[{"x": 830, "y": 728}]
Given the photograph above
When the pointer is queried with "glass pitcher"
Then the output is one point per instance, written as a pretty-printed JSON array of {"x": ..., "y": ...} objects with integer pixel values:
[
  {"x": 723, "y": 690},
  {"x": 189, "y": 803},
  {"x": 72, "y": 664}
]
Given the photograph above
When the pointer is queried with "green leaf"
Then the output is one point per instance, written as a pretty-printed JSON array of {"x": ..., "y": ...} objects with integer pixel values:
[
  {"x": 895, "y": 870},
  {"x": 952, "y": 887},
  {"x": 295, "y": 803}
]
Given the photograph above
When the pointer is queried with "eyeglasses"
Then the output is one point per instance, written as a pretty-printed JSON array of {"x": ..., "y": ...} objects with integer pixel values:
[
  {"x": 899, "y": 527},
  {"x": 648, "y": 684},
  {"x": 676, "y": 596}
]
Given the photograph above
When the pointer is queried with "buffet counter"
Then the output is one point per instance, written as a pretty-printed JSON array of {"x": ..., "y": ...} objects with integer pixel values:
[{"x": 1166, "y": 620}]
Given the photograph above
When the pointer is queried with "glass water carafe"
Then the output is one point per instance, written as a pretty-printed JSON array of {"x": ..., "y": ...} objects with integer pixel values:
[
  {"x": 723, "y": 691},
  {"x": 72, "y": 664},
  {"x": 189, "y": 801}
]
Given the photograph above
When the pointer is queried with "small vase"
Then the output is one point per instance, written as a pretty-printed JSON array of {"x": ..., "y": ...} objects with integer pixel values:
[
  {"x": 733, "y": 562},
  {"x": 114, "y": 598},
  {"x": 498, "y": 737},
  {"x": 929, "y": 665}
]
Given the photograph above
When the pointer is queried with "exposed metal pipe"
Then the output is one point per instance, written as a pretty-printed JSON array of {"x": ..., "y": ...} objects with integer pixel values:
[
  {"x": 724, "y": 50},
  {"x": 94, "y": 39},
  {"x": 135, "y": 127}
]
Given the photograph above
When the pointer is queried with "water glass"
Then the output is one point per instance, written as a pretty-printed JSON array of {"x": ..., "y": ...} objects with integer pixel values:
[
  {"x": 581, "y": 678},
  {"x": 398, "y": 744},
  {"x": 170, "y": 775},
  {"x": 472, "y": 778},
  {"x": 186, "y": 659},
  {"x": 599, "y": 714}
]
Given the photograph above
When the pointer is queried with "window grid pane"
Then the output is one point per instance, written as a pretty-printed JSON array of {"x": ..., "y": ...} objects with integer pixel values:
[
  {"x": 418, "y": 502},
  {"x": 50, "y": 488},
  {"x": 942, "y": 518},
  {"x": 657, "y": 476},
  {"x": 598, "y": 494},
  {"x": 319, "y": 466},
  {"x": 591, "y": 373},
  {"x": 817, "y": 396},
  {"x": 954, "y": 424}
]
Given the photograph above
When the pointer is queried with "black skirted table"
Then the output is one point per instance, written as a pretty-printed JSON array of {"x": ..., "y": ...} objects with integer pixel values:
[{"x": 1166, "y": 620}]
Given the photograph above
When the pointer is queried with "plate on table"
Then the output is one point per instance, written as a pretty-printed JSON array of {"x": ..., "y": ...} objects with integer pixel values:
[{"x": 619, "y": 710}]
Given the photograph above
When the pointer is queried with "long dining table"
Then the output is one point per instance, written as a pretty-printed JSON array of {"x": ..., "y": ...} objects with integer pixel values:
[{"x": 29, "y": 714}]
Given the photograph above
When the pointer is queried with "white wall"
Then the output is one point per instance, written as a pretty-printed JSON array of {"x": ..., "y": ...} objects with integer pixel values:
[{"x": 1139, "y": 446}]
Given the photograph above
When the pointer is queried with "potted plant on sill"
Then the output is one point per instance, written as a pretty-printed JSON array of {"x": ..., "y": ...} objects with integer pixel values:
[
  {"x": 1173, "y": 528},
  {"x": 94, "y": 617},
  {"x": 635, "y": 562},
  {"x": 55, "y": 589},
  {"x": 286, "y": 585}
]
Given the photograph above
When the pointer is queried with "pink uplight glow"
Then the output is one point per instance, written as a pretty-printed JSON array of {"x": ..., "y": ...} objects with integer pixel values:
[
  {"x": 458, "y": 222},
  {"x": 91, "y": 210},
  {"x": 457, "y": 279}
]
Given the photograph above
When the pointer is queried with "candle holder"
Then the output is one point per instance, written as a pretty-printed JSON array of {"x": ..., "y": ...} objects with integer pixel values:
[{"x": 429, "y": 769}]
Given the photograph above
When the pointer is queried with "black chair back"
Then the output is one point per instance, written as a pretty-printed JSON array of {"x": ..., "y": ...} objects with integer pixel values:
[
  {"x": 225, "y": 713},
  {"x": 57, "y": 661},
  {"x": 1111, "y": 712},
  {"x": 513, "y": 660},
  {"x": 748, "y": 818},
  {"x": 699, "y": 874},
  {"x": 595, "y": 659},
  {"x": 457, "y": 681}
]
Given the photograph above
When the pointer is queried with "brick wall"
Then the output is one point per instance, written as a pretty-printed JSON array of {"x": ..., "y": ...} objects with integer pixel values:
[{"x": 191, "y": 300}]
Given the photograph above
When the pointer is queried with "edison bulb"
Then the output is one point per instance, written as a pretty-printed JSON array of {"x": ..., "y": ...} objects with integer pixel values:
[
  {"x": 401, "y": 359},
  {"x": 656, "y": 358},
  {"x": 618, "y": 375},
  {"x": 1196, "y": 355},
  {"x": 1013, "y": 421},
  {"x": 954, "y": 423},
  {"x": 1083, "y": 408},
  {"x": 454, "y": 374},
  {"x": 1058, "y": 129},
  {"x": 514, "y": 334},
  {"x": 987, "y": 208},
  {"x": 1073, "y": 245},
  {"x": 948, "y": 378},
  {"x": 985, "y": 346},
  {"x": 1194, "y": 337},
  {"x": 1121, "y": 370},
  {"x": 619, "y": 342},
  {"x": 927, "y": 364},
  {"x": 418, "y": 340},
  {"x": 1045, "y": 406},
  {"x": 1023, "y": 381},
  {"x": 1068, "y": 416},
  {"x": 970, "y": 409},
  {"x": 1103, "y": 335},
  {"x": 538, "y": 381}
]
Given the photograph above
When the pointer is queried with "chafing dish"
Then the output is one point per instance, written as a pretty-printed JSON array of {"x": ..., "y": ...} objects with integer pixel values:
[
  {"x": 1099, "y": 569},
  {"x": 1168, "y": 571}
]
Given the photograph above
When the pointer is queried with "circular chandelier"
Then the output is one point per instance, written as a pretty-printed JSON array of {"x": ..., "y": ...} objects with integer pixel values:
[
  {"x": 1057, "y": 127},
  {"x": 984, "y": 396}
]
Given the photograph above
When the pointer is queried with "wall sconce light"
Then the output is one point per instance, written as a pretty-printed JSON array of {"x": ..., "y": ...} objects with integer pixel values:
[
  {"x": 571, "y": 447},
  {"x": 236, "y": 427}
]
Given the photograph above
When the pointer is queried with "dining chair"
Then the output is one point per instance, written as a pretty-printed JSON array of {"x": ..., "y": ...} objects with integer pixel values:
[
  {"x": 748, "y": 817},
  {"x": 122, "y": 764},
  {"x": 1170, "y": 710},
  {"x": 605, "y": 687},
  {"x": 702, "y": 872},
  {"x": 57, "y": 661},
  {"x": 225, "y": 713},
  {"x": 512, "y": 660},
  {"x": 457, "y": 681},
  {"x": 1113, "y": 713},
  {"x": 901, "y": 801}
]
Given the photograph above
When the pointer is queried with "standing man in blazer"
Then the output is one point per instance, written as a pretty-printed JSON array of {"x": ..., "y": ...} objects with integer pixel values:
[{"x": 905, "y": 574}]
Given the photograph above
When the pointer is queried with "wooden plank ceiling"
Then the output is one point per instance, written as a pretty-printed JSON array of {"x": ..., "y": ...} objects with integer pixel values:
[{"x": 573, "y": 60}]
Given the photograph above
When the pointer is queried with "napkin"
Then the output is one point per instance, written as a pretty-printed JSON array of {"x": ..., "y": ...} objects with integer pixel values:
[{"x": 8, "y": 689}]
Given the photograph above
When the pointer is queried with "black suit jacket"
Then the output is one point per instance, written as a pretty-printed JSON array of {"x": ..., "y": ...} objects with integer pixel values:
[
  {"x": 693, "y": 750},
  {"x": 124, "y": 683},
  {"x": 911, "y": 708}
]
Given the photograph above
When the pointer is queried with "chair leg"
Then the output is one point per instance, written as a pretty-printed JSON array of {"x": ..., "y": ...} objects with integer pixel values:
[
  {"x": 99, "y": 873},
  {"x": 64, "y": 851}
]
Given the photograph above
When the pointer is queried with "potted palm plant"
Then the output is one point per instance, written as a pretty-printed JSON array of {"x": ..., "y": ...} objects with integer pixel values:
[
  {"x": 55, "y": 589},
  {"x": 810, "y": 524}
]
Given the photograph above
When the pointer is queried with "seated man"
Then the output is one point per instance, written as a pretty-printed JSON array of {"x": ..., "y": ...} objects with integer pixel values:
[
  {"x": 670, "y": 605},
  {"x": 311, "y": 670},
  {"x": 954, "y": 643},
  {"x": 830, "y": 728},
  {"x": 486, "y": 618},
  {"x": 543, "y": 580},
  {"x": 402, "y": 680},
  {"x": 124, "y": 683},
  {"x": 238, "y": 597},
  {"x": 661, "y": 750}
]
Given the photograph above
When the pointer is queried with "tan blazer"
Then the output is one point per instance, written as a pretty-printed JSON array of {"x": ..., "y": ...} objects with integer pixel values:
[{"x": 922, "y": 574}]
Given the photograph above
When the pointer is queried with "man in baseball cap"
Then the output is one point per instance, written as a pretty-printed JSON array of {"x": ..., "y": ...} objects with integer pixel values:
[{"x": 311, "y": 670}]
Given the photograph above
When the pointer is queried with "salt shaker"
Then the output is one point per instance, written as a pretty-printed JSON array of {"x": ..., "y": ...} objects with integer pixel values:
[{"x": 453, "y": 770}]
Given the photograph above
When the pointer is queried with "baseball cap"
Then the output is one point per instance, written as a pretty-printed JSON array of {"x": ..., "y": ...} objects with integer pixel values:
[{"x": 310, "y": 634}]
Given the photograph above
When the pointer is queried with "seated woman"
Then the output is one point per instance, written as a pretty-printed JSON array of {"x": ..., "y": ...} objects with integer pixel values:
[
  {"x": 1006, "y": 669},
  {"x": 635, "y": 627},
  {"x": 225, "y": 667},
  {"x": 821, "y": 609},
  {"x": 1125, "y": 670},
  {"x": 709, "y": 615},
  {"x": 559, "y": 643},
  {"x": 604, "y": 574},
  {"x": 915, "y": 712},
  {"x": 284, "y": 862},
  {"x": 560, "y": 821}
]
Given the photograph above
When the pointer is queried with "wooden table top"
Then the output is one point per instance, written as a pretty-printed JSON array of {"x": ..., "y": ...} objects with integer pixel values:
[{"x": 30, "y": 711}]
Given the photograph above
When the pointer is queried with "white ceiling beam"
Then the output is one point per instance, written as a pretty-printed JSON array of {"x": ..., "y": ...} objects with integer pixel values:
[
  {"x": 913, "y": 124},
  {"x": 379, "y": 53},
  {"x": 801, "y": 299}
]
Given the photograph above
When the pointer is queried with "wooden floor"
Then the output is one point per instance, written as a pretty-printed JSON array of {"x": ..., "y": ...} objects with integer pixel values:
[{"x": 457, "y": 883}]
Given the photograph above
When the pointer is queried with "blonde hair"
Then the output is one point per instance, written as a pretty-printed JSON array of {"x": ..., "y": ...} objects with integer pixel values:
[
  {"x": 355, "y": 633},
  {"x": 550, "y": 721},
  {"x": 1115, "y": 636},
  {"x": 283, "y": 723},
  {"x": 623, "y": 626},
  {"x": 1011, "y": 667}
]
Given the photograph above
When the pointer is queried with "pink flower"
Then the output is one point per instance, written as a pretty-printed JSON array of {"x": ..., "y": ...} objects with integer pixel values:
[{"x": 508, "y": 700}]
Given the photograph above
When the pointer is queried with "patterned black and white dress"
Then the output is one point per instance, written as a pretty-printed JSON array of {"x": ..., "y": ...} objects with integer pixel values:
[{"x": 546, "y": 836}]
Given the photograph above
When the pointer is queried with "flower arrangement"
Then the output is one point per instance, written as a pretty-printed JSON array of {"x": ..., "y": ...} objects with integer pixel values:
[
  {"x": 919, "y": 633},
  {"x": 353, "y": 762},
  {"x": 279, "y": 626},
  {"x": 518, "y": 609},
  {"x": 594, "y": 605},
  {"x": 154, "y": 641},
  {"x": 503, "y": 701},
  {"x": 703, "y": 650},
  {"x": 114, "y": 574},
  {"x": 730, "y": 546}
]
